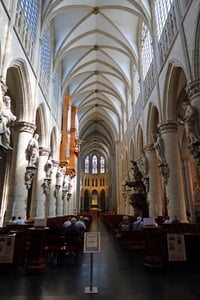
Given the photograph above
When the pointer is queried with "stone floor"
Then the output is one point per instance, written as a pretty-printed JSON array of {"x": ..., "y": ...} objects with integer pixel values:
[{"x": 114, "y": 276}]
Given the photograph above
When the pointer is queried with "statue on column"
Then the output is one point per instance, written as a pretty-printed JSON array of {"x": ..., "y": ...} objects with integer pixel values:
[
  {"x": 191, "y": 122},
  {"x": 33, "y": 151},
  {"x": 6, "y": 119},
  {"x": 49, "y": 168},
  {"x": 160, "y": 149}
]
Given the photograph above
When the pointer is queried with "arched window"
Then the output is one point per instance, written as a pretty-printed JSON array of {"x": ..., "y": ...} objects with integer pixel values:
[
  {"x": 56, "y": 85},
  {"x": 87, "y": 164},
  {"x": 102, "y": 165},
  {"x": 146, "y": 49},
  {"x": 94, "y": 164},
  {"x": 46, "y": 52},
  {"x": 162, "y": 8},
  {"x": 136, "y": 86},
  {"x": 30, "y": 9}
]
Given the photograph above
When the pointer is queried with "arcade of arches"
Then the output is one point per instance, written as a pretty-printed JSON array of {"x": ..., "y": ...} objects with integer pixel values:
[{"x": 79, "y": 81}]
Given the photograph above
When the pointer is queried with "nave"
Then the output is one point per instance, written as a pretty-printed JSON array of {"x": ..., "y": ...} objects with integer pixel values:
[{"x": 114, "y": 275}]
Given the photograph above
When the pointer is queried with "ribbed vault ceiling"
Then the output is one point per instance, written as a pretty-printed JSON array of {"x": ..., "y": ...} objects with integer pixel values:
[{"x": 96, "y": 47}]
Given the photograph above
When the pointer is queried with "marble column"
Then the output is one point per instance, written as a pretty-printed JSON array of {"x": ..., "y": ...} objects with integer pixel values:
[
  {"x": 174, "y": 186},
  {"x": 154, "y": 196},
  {"x": 17, "y": 194},
  {"x": 38, "y": 196}
]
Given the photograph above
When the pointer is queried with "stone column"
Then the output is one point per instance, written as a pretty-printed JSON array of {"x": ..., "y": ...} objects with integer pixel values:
[
  {"x": 193, "y": 92},
  {"x": 51, "y": 196},
  {"x": 174, "y": 185},
  {"x": 17, "y": 194},
  {"x": 154, "y": 196},
  {"x": 38, "y": 196},
  {"x": 189, "y": 191}
]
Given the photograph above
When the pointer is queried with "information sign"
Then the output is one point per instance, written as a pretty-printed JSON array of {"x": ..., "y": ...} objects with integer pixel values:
[{"x": 91, "y": 242}]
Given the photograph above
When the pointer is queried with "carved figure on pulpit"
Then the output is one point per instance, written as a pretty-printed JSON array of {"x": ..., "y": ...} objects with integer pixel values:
[
  {"x": 137, "y": 178},
  {"x": 138, "y": 196}
]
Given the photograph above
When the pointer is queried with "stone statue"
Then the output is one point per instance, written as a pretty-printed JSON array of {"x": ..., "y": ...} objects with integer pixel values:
[
  {"x": 6, "y": 119},
  {"x": 144, "y": 164},
  {"x": 138, "y": 196},
  {"x": 33, "y": 151},
  {"x": 160, "y": 149},
  {"x": 49, "y": 168},
  {"x": 191, "y": 123},
  {"x": 60, "y": 175}
]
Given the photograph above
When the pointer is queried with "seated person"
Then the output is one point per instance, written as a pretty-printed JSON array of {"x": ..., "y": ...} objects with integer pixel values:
[
  {"x": 67, "y": 222},
  {"x": 20, "y": 221},
  {"x": 138, "y": 224},
  {"x": 73, "y": 234},
  {"x": 12, "y": 221},
  {"x": 80, "y": 223}
]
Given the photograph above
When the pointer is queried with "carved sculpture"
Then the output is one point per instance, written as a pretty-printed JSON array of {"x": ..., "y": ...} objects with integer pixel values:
[
  {"x": 138, "y": 196},
  {"x": 6, "y": 119},
  {"x": 191, "y": 122},
  {"x": 33, "y": 151}
]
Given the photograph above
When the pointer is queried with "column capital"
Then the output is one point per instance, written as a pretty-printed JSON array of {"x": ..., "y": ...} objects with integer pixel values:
[
  {"x": 23, "y": 126},
  {"x": 193, "y": 88},
  {"x": 168, "y": 126}
]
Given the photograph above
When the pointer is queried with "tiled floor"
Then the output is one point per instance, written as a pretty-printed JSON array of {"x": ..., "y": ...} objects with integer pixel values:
[{"x": 113, "y": 275}]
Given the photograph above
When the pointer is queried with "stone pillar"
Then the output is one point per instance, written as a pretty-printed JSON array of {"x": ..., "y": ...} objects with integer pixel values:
[
  {"x": 189, "y": 191},
  {"x": 17, "y": 194},
  {"x": 174, "y": 184},
  {"x": 51, "y": 196},
  {"x": 38, "y": 196},
  {"x": 193, "y": 92},
  {"x": 154, "y": 196}
]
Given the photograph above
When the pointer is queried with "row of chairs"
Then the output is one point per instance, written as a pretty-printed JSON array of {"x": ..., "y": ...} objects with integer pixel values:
[{"x": 57, "y": 246}]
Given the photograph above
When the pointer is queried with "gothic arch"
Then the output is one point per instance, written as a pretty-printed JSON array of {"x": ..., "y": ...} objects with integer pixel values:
[
  {"x": 41, "y": 123},
  {"x": 174, "y": 89},
  {"x": 53, "y": 144},
  {"x": 17, "y": 80},
  {"x": 196, "y": 56},
  {"x": 140, "y": 143},
  {"x": 152, "y": 123}
]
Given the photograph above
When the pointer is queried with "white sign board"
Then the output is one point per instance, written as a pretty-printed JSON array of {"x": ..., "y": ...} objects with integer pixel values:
[
  {"x": 91, "y": 242},
  {"x": 7, "y": 244},
  {"x": 176, "y": 247}
]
